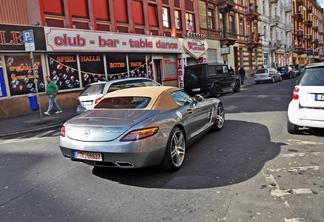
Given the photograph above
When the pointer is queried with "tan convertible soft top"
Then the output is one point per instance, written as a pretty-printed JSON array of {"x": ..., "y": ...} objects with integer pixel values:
[{"x": 160, "y": 96}]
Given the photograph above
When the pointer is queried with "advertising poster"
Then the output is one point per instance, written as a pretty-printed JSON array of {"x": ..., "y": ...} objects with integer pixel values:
[
  {"x": 20, "y": 74},
  {"x": 116, "y": 66},
  {"x": 137, "y": 65},
  {"x": 92, "y": 68},
  {"x": 3, "y": 91},
  {"x": 63, "y": 70}
]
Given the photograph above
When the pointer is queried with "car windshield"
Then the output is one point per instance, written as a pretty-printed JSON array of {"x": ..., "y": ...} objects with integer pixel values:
[
  {"x": 125, "y": 102},
  {"x": 132, "y": 83},
  {"x": 94, "y": 89},
  {"x": 261, "y": 71},
  {"x": 313, "y": 77}
]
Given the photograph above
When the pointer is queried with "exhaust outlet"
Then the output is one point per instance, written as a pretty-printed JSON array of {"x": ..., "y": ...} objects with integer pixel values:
[{"x": 122, "y": 164}]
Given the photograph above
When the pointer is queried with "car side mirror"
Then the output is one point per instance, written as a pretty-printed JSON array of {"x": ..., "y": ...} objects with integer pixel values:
[{"x": 199, "y": 98}]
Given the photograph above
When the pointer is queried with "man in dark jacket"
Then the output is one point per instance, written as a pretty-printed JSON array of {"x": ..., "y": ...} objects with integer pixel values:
[
  {"x": 51, "y": 90},
  {"x": 242, "y": 75}
]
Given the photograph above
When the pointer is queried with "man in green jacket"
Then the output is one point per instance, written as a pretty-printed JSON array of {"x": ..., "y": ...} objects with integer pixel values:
[{"x": 51, "y": 90}]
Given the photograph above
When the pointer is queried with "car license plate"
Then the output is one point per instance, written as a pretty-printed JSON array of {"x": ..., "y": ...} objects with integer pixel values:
[
  {"x": 87, "y": 156},
  {"x": 319, "y": 97},
  {"x": 196, "y": 89},
  {"x": 87, "y": 103}
]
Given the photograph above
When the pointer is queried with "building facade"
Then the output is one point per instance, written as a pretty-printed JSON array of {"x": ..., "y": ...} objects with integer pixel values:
[
  {"x": 307, "y": 21},
  {"x": 84, "y": 41},
  {"x": 232, "y": 30}
]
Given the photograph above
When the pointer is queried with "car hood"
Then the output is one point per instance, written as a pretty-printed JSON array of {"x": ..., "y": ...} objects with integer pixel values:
[{"x": 105, "y": 125}]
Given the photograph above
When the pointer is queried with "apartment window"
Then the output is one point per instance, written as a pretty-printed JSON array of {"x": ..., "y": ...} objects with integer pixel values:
[
  {"x": 166, "y": 17},
  {"x": 241, "y": 24},
  {"x": 210, "y": 19},
  {"x": 265, "y": 31},
  {"x": 232, "y": 24},
  {"x": 221, "y": 22},
  {"x": 177, "y": 18},
  {"x": 190, "y": 22}
]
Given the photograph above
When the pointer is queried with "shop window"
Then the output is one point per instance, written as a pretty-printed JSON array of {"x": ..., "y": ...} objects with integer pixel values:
[
  {"x": 137, "y": 65},
  {"x": 152, "y": 15},
  {"x": 210, "y": 19},
  {"x": 54, "y": 7},
  {"x": 116, "y": 66},
  {"x": 63, "y": 70},
  {"x": 169, "y": 67},
  {"x": 190, "y": 22},
  {"x": 92, "y": 68},
  {"x": 78, "y": 8},
  {"x": 138, "y": 16},
  {"x": 120, "y": 9},
  {"x": 101, "y": 9},
  {"x": 166, "y": 17},
  {"x": 20, "y": 74},
  {"x": 177, "y": 18}
]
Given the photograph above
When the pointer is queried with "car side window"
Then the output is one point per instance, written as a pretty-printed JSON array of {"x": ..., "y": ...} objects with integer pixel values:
[{"x": 181, "y": 98}]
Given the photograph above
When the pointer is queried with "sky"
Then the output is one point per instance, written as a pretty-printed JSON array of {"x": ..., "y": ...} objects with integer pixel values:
[{"x": 321, "y": 2}]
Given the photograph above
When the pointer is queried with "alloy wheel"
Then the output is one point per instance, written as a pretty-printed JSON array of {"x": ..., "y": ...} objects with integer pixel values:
[
  {"x": 220, "y": 117},
  {"x": 178, "y": 148}
]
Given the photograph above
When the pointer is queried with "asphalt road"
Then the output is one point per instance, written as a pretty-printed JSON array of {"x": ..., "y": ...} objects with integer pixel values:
[{"x": 252, "y": 170}]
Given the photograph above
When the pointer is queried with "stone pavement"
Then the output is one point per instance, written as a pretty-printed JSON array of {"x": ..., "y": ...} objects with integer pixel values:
[{"x": 33, "y": 122}]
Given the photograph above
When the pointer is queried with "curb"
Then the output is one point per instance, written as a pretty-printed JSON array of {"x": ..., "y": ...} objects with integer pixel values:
[{"x": 32, "y": 130}]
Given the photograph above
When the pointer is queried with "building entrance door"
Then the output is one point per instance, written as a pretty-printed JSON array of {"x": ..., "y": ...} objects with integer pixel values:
[{"x": 157, "y": 70}]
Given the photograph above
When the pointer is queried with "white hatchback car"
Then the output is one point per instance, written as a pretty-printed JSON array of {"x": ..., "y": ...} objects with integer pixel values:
[
  {"x": 307, "y": 106},
  {"x": 267, "y": 75},
  {"x": 92, "y": 93}
]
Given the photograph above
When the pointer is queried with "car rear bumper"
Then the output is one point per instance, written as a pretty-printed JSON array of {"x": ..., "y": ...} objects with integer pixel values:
[
  {"x": 137, "y": 154},
  {"x": 307, "y": 117}
]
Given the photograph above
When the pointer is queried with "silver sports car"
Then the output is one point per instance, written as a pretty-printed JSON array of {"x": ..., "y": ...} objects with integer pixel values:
[{"x": 140, "y": 127}]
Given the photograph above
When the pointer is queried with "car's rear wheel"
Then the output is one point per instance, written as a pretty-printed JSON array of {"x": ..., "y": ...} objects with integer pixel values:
[
  {"x": 175, "y": 150},
  {"x": 273, "y": 80},
  {"x": 220, "y": 118},
  {"x": 292, "y": 128}
]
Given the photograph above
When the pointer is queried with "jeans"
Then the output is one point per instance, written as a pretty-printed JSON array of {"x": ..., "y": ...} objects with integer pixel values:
[
  {"x": 242, "y": 79},
  {"x": 52, "y": 101}
]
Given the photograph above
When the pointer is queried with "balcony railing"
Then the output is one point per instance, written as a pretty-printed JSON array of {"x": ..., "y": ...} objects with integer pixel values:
[
  {"x": 228, "y": 38},
  {"x": 299, "y": 16},
  {"x": 309, "y": 37},
  {"x": 299, "y": 50},
  {"x": 300, "y": 33},
  {"x": 252, "y": 12},
  {"x": 309, "y": 10},
  {"x": 274, "y": 20},
  {"x": 225, "y": 5}
]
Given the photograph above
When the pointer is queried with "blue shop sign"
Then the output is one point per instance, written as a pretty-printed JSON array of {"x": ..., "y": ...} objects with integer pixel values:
[{"x": 3, "y": 91}]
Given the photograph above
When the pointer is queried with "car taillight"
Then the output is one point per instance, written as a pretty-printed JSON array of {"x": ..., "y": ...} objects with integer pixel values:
[
  {"x": 63, "y": 131},
  {"x": 140, "y": 134},
  {"x": 296, "y": 95},
  {"x": 98, "y": 100}
]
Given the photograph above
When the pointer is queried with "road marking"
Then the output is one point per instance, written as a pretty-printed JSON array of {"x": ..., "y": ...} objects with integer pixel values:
[
  {"x": 22, "y": 140},
  {"x": 294, "y": 220},
  {"x": 288, "y": 155},
  {"x": 282, "y": 193}
]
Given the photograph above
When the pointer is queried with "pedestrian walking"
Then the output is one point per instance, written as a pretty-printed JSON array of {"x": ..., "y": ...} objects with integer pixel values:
[
  {"x": 51, "y": 90},
  {"x": 242, "y": 75}
]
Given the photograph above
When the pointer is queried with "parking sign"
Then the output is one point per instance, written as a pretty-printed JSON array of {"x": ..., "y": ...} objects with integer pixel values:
[{"x": 29, "y": 40}]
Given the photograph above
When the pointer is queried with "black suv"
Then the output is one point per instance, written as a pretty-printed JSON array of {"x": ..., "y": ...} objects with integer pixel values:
[{"x": 209, "y": 79}]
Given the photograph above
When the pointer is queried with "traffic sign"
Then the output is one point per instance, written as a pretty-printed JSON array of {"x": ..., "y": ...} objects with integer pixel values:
[{"x": 29, "y": 40}]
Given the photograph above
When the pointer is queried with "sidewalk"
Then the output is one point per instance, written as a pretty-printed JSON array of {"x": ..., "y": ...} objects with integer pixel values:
[{"x": 32, "y": 123}]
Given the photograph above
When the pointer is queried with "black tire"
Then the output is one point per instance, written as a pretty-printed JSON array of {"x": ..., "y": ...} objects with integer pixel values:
[
  {"x": 273, "y": 80},
  {"x": 220, "y": 118},
  {"x": 216, "y": 91},
  {"x": 292, "y": 128},
  {"x": 237, "y": 86},
  {"x": 169, "y": 160}
]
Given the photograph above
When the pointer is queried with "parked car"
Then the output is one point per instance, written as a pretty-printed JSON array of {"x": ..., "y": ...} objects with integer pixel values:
[
  {"x": 140, "y": 127},
  {"x": 210, "y": 79},
  {"x": 92, "y": 93},
  {"x": 267, "y": 75},
  {"x": 306, "y": 108},
  {"x": 286, "y": 72}
]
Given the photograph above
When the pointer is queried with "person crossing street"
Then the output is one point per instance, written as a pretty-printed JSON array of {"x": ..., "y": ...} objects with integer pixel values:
[{"x": 51, "y": 90}]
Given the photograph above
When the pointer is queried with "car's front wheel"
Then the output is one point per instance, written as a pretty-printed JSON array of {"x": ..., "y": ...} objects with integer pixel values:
[
  {"x": 175, "y": 150},
  {"x": 292, "y": 128},
  {"x": 220, "y": 118},
  {"x": 216, "y": 91}
]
